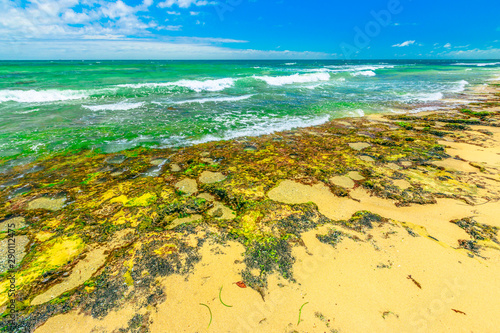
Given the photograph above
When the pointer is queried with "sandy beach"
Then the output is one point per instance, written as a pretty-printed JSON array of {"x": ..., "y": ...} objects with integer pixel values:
[{"x": 383, "y": 223}]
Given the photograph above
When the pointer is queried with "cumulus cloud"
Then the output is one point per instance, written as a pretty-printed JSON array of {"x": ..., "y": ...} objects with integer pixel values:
[
  {"x": 185, "y": 3},
  {"x": 403, "y": 44},
  {"x": 110, "y": 29},
  {"x": 447, "y": 45}
]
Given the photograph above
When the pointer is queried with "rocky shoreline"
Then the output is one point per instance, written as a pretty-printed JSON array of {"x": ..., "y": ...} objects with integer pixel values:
[{"x": 136, "y": 241}]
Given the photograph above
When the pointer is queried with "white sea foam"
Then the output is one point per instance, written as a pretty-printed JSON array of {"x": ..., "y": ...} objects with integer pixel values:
[
  {"x": 296, "y": 78},
  {"x": 215, "y": 99},
  {"x": 423, "y": 97},
  {"x": 290, "y": 63},
  {"x": 481, "y": 64},
  {"x": 364, "y": 73},
  {"x": 266, "y": 126},
  {"x": 357, "y": 68},
  {"x": 356, "y": 113},
  {"x": 41, "y": 96},
  {"x": 196, "y": 85},
  {"x": 120, "y": 106},
  {"x": 460, "y": 86}
]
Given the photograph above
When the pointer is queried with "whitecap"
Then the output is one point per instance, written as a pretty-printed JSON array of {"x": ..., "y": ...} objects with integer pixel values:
[
  {"x": 195, "y": 85},
  {"x": 364, "y": 73},
  {"x": 296, "y": 78},
  {"x": 215, "y": 99},
  {"x": 121, "y": 106},
  {"x": 41, "y": 96}
]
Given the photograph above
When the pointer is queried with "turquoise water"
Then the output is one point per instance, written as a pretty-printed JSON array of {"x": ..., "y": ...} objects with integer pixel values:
[{"x": 50, "y": 106}]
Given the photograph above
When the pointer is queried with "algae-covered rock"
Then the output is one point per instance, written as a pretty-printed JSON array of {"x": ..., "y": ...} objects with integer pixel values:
[
  {"x": 342, "y": 181},
  {"x": 359, "y": 145},
  {"x": 12, "y": 224},
  {"x": 15, "y": 246},
  {"x": 187, "y": 186},
  {"x": 47, "y": 203},
  {"x": 208, "y": 177}
]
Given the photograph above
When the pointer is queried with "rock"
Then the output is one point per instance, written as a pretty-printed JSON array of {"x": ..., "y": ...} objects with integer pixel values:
[
  {"x": 402, "y": 184},
  {"x": 19, "y": 252},
  {"x": 204, "y": 154},
  {"x": 175, "y": 167},
  {"x": 94, "y": 259},
  {"x": 406, "y": 164},
  {"x": 187, "y": 186},
  {"x": 366, "y": 158},
  {"x": 47, "y": 203},
  {"x": 208, "y": 177},
  {"x": 177, "y": 222},
  {"x": 117, "y": 159},
  {"x": 206, "y": 196},
  {"x": 250, "y": 148},
  {"x": 359, "y": 145},
  {"x": 17, "y": 222},
  {"x": 342, "y": 181},
  {"x": 221, "y": 212},
  {"x": 393, "y": 166},
  {"x": 154, "y": 171},
  {"x": 354, "y": 175},
  {"x": 158, "y": 161},
  {"x": 207, "y": 160}
]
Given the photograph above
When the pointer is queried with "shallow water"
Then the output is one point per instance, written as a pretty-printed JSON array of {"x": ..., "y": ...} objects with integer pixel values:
[{"x": 49, "y": 106}]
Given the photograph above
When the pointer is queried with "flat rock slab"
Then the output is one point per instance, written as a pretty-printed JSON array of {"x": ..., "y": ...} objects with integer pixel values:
[
  {"x": 19, "y": 251},
  {"x": 222, "y": 212},
  {"x": 175, "y": 167},
  {"x": 47, "y": 203},
  {"x": 189, "y": 219},
  {"x": 94, "y": 259},
  {"x": 187, "y": 185},
  {"x": 158, "y": 161},
  {"x": 354, "y": 175},
  {"x": 366, "y": 158},
  {"x": 118, "y": 159},
  {"x": 207, "y": 160},
  {"x": 206, "y": 196},
  {"x": 208, "y": 177},
  {"x": 359, "y": 145},
  {"x": 393, "y": 166},
  {"x": 342, "y": 181},
  {"x": 402, "y": 184},
  {"x": 13, "y": 223}
]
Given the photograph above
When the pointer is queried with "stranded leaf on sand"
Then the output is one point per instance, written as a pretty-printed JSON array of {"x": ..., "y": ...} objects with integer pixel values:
[
  {"x": 241, "y": 284},
  {"x": 210, "y": 311},
  {"x": 220, "y": 298}
]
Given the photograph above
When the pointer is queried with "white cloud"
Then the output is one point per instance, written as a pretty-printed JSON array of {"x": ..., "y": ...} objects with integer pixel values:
[
  {"x": 141, "y": 49},
  {"x": 110, "y": 29},
  {"x": 185, "y": 3},
  {"x": 491, "y": 53},
  {"x": 170, "y": 27},
  {"x": 403, "y": 44},
  {"x": 194, "y": 13},
  {"x": 173, "y": 13},
  {"x": 447, "y": 45},
  {"x": 56, "y": 19}
]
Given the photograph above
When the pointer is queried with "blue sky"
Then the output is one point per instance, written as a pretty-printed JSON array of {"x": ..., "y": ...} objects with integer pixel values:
[{"x": 249, "y": 29}]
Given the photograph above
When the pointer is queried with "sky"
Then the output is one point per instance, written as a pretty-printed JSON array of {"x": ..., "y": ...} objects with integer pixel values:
[{"x": 249, "y": 29}]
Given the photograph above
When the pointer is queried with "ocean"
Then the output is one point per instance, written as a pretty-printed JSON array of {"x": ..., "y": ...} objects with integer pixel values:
[{"x": 54, "y": 106}]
